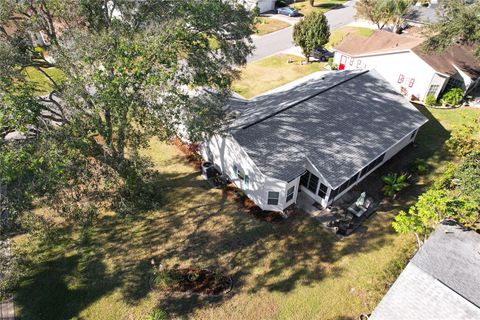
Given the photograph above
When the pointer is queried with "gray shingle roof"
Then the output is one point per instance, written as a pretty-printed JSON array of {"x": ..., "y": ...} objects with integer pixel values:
[
  {"x": 442, "y": 280},
  {"x": 352, "y": 118}
]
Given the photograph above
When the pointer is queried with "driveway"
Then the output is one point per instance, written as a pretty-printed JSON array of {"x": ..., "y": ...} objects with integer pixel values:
[{"x": 282, "y": 40}]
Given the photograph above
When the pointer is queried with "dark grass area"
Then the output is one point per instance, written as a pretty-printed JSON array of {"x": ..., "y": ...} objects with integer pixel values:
[{"x": 103, "y": 272}]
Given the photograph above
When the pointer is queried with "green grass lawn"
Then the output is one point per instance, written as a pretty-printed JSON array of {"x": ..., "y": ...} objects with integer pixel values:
[
  {"x": 269, "y": 73},
  {"x": 267, "y": 25},
  {"x": 288, "y": 270},
  {"x": 319, "y": 5},
  {"x": 338, "y": 34},
  {"x": 42, "y": 83}
]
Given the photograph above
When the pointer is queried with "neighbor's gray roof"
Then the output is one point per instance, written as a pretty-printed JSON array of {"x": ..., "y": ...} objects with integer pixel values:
[
  {"x": 339, "y": 121},
  {"x": 442, "y": 280}
]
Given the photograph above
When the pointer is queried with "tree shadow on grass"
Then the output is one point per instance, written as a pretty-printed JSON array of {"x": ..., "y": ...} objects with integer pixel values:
[
  {"x": 48, "y": 293},
  {"x": 200, "y": 227}
]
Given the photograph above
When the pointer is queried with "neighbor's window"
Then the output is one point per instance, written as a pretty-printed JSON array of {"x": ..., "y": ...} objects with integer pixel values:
[
  {"x": 432, "y": 91},
  {"x": 359, "y": 63},
  {"x": 273, "y": 197},
  {"x": 351, "y": 61},
  {"x": 290, "y": 193},
  {"x": 412, "y": 81},
  {"x": 246, "y": 179},
  {"x": 322, "y": 191},
  {"x": 401, "y": 78}
]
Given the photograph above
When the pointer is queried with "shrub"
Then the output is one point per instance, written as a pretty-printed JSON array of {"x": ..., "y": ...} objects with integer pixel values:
[
  {"x": 452, "y": 96},
  {"x": 332, "y": 65},
  {"x": 166, "y": 278},
  {"x": 394, "y": 183},
  {"x": 462, "y": 141},
  {"x": 430, "y": 100},
  {"x": 467, "y": 175},
  {"x": 157, "y": 314},
  {"x": 420, "y": 167},
  {"x": 311, "y": 32}
]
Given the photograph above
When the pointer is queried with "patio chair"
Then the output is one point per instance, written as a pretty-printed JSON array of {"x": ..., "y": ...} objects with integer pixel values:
[{"x": 359, "y": 209}]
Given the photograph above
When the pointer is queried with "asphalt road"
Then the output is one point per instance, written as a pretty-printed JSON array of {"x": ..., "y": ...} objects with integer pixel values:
[{"x": 282, "y": 40}]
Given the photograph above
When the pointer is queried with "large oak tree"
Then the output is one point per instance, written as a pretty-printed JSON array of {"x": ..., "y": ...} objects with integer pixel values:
[{"x": 115, "y": 74}]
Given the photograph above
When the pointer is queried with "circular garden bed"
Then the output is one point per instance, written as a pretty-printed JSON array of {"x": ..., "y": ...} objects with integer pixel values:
[{"x": 191, "y": 280}]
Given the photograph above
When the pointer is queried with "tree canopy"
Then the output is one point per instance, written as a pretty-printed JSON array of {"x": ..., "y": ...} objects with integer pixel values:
[
  {"x": 454, "y": 196},
  {"x": 384, "y": 12},
  {"x": 113, "y": 75},
  {"x": 459, "y": 22},
  {"x": 311, "y": 32}
]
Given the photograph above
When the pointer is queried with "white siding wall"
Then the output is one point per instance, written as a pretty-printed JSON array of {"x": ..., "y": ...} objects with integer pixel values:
[
  {"x": 263, "y": 5},
  {"x": 392, "y": 65},
  {"x": 440, "y": 81},
  {"x": 266, "y": 5},
  {"x": 294, "y": 183},
  {"x": 226, "y": 153}
]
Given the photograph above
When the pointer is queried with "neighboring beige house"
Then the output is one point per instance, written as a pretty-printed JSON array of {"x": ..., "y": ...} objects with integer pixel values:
[
  {"x": 401, "y": 60},
  {"x": 321, "y": 136}
]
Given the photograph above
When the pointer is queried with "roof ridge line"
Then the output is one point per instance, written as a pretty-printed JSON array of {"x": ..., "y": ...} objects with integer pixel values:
[{"x": 303, "y": 100}]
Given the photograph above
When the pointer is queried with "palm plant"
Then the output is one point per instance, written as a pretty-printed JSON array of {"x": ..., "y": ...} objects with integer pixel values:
[
  {"x": 398, "y": 10},
  {"x": 394, "y": 183}
]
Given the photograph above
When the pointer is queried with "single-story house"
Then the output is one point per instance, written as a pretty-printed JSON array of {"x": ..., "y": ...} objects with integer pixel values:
[
  {"x": 320, "y": 135},
  {"x": 441, "y": 282},
  {"x": 400, "y": 59},
  {"x": 262, "y": 5}
]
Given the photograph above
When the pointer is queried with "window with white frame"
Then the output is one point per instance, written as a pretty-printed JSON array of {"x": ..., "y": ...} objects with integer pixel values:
[
  {"x": 322, "y": 191},
  {"x": 401, "y": 77},
  {"x": 432, "y": 91},
  {"x": 290, "y": 193},
  {"x": 273, "y": 197},
  {"x": 359, "y": 63},
  {"x": 310, "y": 181},
  {"x": 411, "y": 82}
]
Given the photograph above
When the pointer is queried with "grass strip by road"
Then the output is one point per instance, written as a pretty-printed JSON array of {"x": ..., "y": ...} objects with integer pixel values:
[
  {"x": 266, "y": 25},
  {"x": 319, "y": 5}
]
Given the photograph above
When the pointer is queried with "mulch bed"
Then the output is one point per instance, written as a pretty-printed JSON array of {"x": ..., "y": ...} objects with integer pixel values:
[
  {"x": 269, "y": 216},
  {"x": 190, "y": 151},
  {"x": 198, "y": 281},
  {"x": 251, "y": 208}
]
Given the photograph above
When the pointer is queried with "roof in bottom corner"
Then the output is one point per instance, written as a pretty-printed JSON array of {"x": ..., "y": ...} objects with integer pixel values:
[
  {"x": 340, "y": 122},
  {"x": 440, "y": 282}
]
